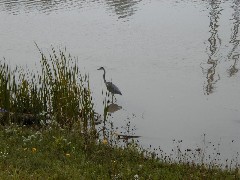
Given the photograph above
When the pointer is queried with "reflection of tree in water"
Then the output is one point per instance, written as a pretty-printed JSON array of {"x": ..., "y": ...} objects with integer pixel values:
[
  {"x": 234, "y": 53},
  {"x": 215, "y": 42},
  {"x": 123, "y": 8}
]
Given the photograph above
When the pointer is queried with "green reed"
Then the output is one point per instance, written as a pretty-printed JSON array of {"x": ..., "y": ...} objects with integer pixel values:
[
  {"x": 58, "y": 89},
  {"x": 5, "y": 79}
]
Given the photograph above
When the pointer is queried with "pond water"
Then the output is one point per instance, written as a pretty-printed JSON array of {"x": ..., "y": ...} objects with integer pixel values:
[{"x": 175, "y": 61}]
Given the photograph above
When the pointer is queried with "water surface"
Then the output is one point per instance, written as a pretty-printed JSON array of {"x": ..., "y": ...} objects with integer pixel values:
[{"x": 176, "y": 62}]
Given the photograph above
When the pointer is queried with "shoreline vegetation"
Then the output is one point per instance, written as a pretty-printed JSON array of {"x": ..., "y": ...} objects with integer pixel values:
[{"x": 49, "y": 131}]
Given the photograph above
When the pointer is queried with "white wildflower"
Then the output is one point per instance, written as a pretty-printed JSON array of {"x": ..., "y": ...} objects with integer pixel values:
[{"x": 135, "y": 177}]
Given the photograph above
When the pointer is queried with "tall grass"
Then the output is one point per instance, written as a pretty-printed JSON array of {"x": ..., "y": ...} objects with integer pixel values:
[{"x": 58, "y": 91}]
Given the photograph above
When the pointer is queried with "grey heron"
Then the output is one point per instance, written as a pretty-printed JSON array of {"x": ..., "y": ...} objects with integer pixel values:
[{"x": 110, "y": 86}]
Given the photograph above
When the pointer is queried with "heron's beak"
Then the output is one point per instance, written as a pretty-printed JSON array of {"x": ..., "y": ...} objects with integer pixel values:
[{"x": 99, "y": 69}]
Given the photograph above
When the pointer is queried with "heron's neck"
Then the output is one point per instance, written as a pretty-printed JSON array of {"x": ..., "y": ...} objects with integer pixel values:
[{"x": 104, "y": 76}]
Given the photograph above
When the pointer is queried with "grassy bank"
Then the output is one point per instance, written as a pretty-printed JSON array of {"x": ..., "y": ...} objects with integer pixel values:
[
  {"x": 56, "y": 153},
  {"x": 48, "y": 130}
]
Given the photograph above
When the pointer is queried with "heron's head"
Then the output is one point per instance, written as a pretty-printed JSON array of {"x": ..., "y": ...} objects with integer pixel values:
[{"x": 101, "y": 68}]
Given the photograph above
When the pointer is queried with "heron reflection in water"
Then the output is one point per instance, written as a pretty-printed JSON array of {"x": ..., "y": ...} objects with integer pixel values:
[
  {"x": 111, "y": 108},
  {"x": 110, "y": 86}
]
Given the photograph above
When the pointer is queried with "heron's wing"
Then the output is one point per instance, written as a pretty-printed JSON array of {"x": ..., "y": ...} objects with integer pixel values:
[{"x": 113, "y": 88}]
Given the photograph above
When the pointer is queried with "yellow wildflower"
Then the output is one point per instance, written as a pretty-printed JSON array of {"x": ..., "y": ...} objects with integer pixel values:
[
  {"x": 34, "y": 150},
  {"x": 105, "y": 141}
]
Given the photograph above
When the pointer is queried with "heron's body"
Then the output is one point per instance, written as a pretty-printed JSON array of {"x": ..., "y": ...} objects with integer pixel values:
[
  {"x": 113, "y": 88},
  {"x": 110, "y": 86}
]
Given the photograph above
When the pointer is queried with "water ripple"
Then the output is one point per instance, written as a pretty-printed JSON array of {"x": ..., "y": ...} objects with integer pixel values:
[
  {"x": 120, "y": 8},
  {"x": 123, "y": 8},
  {"x": 43, "y": 6}
]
